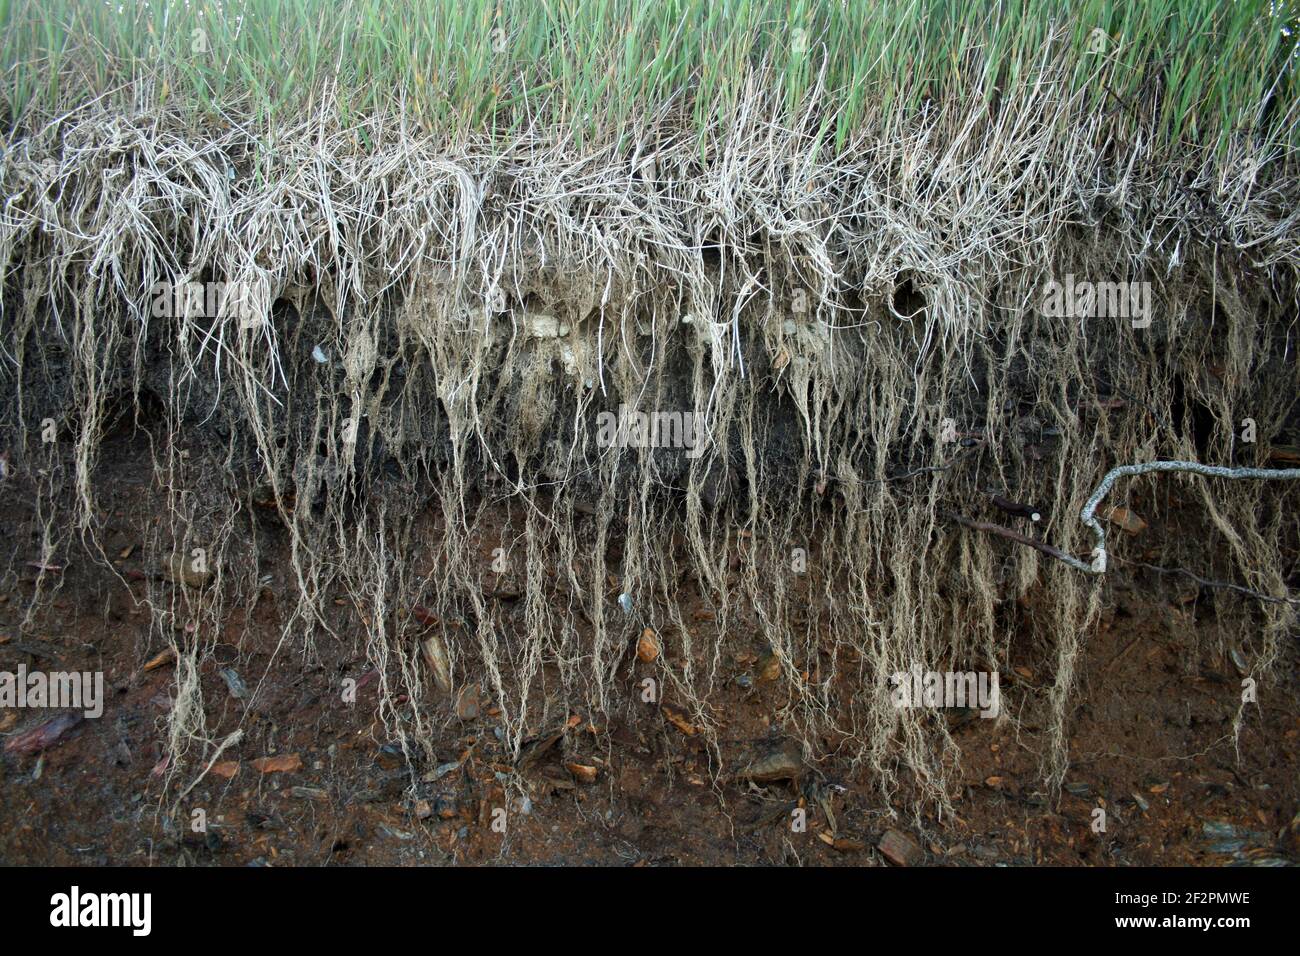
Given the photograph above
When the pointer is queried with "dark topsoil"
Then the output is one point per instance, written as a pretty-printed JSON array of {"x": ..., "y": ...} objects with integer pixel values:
[{"x": 1151, "y": 743}]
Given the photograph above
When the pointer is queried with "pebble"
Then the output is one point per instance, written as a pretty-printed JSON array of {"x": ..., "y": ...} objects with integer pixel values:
[
  {"x": 234, "y": 682},
  {"x": 180, "y": 569},
  {"x": 783, "y": 763},
  {"x": 467, "y": 706},
  {"x": 900, "y": 849},
  {"x": 440, "y": 771}
]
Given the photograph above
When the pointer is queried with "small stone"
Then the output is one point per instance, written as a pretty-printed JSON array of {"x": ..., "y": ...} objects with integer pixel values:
[
  {"x": 647, "y": 648},
  {"x": 783, "y": 763},
  {"x": 900, "y": 849},
  {"x": 234, "y": 683},
  {"x": 186, "y": 570},
  {"x": 440, "y": 771},
  {"x": 467, "y": 706},
  {"x": 391, "y": 756},
  {"x": 540, "y": 325}
]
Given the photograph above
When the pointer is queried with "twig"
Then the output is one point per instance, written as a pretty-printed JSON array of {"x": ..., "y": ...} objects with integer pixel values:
[
  {"x": 230, "y": 741},
  {"x": 927, "y": 470},
  {"x": 1228, "y": 585},
  {"x": 1019, "y": 538},
  {"x": 1088, "y": 517},
  {"x": 1124, "y": 650}
]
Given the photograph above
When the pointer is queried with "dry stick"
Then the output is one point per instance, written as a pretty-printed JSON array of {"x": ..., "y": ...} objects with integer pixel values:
[
  {"x": 230, "y": 741},
  {"x": 1228, "y": 585},
  {"x": 1088, "y": 517},
  {"x": 1019, "y": 538}
]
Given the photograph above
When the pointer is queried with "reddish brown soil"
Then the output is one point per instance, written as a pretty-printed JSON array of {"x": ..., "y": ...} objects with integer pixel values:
[{"x": 1152, "y": 725}]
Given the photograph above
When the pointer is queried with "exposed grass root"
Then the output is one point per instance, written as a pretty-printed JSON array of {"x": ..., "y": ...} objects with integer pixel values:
[{"x": 437, "y": 328}]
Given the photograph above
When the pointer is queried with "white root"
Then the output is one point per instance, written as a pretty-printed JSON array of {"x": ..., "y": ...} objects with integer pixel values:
[{"x": 1088, "y": 515}]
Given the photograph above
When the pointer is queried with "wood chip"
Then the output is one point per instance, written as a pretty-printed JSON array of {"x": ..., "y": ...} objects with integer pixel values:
[
  {"x": 1126, "y": 520},
  {"x": 1284, "y": 455},
  {"x": 435, "y": 655},
  {"x": 285, "y": 763},
  {"x": 647, "y": 648},
  {"x": 582, "y": 772},
  {"x": 680, "y": 722},
  {"x": 166, "y": 656},
  {"x": 45, "y": 735}
]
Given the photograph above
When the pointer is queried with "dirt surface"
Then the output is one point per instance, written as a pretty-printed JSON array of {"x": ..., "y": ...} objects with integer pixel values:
[{"x": 315, "y": 780}]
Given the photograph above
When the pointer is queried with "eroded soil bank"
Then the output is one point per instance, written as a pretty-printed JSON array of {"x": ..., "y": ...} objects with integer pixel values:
[{"x": 318, "y": 779}]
